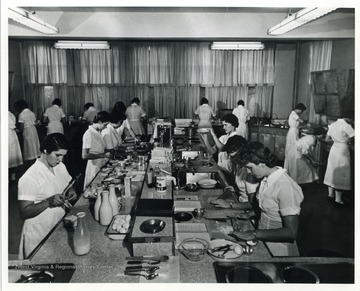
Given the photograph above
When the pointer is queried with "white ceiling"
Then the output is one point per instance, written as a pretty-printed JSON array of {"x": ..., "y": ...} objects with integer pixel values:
[{"x": 181, "y": 23}]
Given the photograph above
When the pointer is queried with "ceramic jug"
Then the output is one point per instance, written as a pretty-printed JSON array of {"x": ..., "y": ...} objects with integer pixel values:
[
  {"x": 113, "y": 200},
  {"x": 97, "y": 203},
  {"x": 105, "y": 211}
]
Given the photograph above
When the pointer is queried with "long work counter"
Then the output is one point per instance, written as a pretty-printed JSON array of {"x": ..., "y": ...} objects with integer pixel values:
[{"x": 107, "y": 259}]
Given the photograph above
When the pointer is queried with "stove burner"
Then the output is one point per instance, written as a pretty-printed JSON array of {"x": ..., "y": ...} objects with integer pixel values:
[
  {"x": 152, "y": 225},
  {"x": 40, "y": 277},
  {"x": 245, "y": 274}
]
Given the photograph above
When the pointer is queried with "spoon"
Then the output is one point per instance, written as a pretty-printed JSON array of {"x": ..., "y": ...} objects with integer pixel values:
[{"x": 147, "y": 277}]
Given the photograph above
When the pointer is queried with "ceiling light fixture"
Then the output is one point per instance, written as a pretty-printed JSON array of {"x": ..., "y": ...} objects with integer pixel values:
[
  {"x": 237, "y": 46},
  {"x": 84, "y": 45},
  {"x": 297, "y": 19},
  {"x": 28, "y": 19}
]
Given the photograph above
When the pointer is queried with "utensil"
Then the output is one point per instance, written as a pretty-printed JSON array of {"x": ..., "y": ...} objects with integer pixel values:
[
  {"x": 147, "y": 277},
  {"x": 199, "y": 213},
  {"x": 225, "y": 250},
  {"x": 148, "y": 270},
  {"x": 183, "y": 216},
  {"x": 163, "y": 258},
  {"x": 149, "y": 262}
]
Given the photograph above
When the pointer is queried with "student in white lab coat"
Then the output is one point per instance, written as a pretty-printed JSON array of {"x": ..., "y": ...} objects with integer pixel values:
[
  {"x": 338, "y": 170},
  {"x": 205, "y": 113},
  {"x": 55, "y": 117},
  {"x": 93, "y": 148},
  {"x": 40, "y": 194},
  {"x": 243, "y": 116}
]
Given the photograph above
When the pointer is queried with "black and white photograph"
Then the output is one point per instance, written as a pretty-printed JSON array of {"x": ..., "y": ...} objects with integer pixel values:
[{"x": 162, "y": 145}]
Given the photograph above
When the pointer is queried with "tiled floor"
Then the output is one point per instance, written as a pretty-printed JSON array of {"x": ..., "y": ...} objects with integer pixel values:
[{"x": 325, "y": 229}]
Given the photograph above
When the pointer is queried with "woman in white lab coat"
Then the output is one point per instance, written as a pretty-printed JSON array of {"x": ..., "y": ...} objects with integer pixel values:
[
  {"x": 27, "y": 121},
  {"x": 243, "y": 116},
  {"x": 293, "y": 134},
  {"x": 136, "y": 115},
  {"x": 205, "y": 113},
  {"x": 15, "y": 156},
  {"x": 338, "y": 170},
  {"x": 93, "y": 148},
  {"x": 40, "y": 195},
  {"x": 54, "y": 117},
  {"x": 278, "y": 198}
]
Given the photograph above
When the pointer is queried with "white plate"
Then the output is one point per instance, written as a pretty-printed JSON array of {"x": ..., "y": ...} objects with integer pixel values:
[
  {"x": 207, "y": 183},
  {"x": 229, "y": 256}
]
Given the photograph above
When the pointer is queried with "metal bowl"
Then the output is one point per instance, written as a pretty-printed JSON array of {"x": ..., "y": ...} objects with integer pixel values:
[
  {"x": 152, "y": 225},
  {"x": 191, "y": 187},
  {"x": 183, "y": 216}
]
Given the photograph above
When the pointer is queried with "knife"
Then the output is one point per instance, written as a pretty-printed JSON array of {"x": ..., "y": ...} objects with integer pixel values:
[
  {"x": 143, "y": 262},
  {"x": 151, "y": 258}
]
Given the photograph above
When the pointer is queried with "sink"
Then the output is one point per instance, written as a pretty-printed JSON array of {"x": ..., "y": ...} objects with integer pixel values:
[
  {"x": 284, "y": 272},
  {"x": 45, "y": 273}
]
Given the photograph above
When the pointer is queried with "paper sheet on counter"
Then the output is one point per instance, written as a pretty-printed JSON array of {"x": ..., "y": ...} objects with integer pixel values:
[
  {"x": 169, "y": 272},
  {"x": 187, "y": 205},
  {"x": 190, "y": 230}
]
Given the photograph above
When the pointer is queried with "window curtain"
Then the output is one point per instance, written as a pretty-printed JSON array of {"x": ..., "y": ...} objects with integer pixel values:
[
  {"x": 320, "y": 59},
  {"x": 129, "y": 68},
  {"x": 164, "y": 98}
]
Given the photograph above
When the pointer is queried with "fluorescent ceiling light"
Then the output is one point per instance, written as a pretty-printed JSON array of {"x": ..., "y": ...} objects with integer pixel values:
[
  {"x": 28, "y": 19},
  {"x": 85, "y": 45},
  {"x": 237, "y": 46},
  {"x": 297, "y": 19}
]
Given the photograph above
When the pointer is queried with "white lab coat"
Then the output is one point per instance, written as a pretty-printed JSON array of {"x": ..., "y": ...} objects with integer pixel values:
[
  {"x": 30, "y": 135},
  {"x": 54, "y": 114},
  {"x": 37, "y": 184},
  {"x": 15, "y": 156},
  {"x": 243, "y": 116}
]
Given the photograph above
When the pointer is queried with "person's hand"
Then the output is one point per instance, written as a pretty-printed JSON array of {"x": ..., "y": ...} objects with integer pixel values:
[
  {"x": 243, "y": 235},
  {"x": 212, "y": 131},
  {"x": 56, "y": 200},
  {"x": 220, "y": 203},
  {"x": 107, "y": 155},
  {"x": 243, "y": 216},
  {"x": 71, "y": 194}
]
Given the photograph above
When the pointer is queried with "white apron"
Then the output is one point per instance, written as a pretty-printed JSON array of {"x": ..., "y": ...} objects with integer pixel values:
[
  {"x": 93, "y": 140},
  {"x": 37, "y": 184},
  {"x": 134, "y": 113},
  {"x": 30, "y": 135},
  {"x": 205, "y": 113}
]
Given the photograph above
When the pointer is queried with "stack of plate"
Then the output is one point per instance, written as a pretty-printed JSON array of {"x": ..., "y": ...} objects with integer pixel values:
[{"x": 207, "y": 183}]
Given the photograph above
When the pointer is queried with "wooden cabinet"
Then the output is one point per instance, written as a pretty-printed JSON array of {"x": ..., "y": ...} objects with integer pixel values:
[
  {"x": 272, "y": 137},
  {"x": 333, "y": 91}
]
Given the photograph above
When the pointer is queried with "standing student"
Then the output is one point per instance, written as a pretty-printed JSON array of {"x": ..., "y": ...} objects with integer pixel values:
[
  {"x": 338, "y": 170},
  {"x": 136, "y": 115},
  {"x": 89, "y": 113},
  {"x": 27, "y": 121},
  {"x": 205, "y": 113},
  {"x": 293, "y": 134},
  {"x": 41, "y": 198},
  {"x": 93, "y": 148},
  {"x": 243, "y": 116},
  {"x": 54, "y": 117},
  {"x": 15, "y": 156}
]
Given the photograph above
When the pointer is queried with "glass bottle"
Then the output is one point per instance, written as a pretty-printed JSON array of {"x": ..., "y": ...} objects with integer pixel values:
[
  {"x": 113, "y": 200},
  {"x": 81, "y": 236},
  {"x": 150, "y": 179},
  {"x": 97, "y": 203},
  {"x": 105, "y": 211}
]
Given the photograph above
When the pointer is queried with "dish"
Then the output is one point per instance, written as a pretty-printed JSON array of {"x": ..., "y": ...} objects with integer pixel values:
[
  {"x": 183, "y": 216},
  {"x": 119, "y": 227},
  {"x": 194, "y": 249},
  {"x": 152, "y": 226},
  {"x": 207, "y": 183},
  {"x": 191, "y": 187},
  {"x": 203, "y": 130},
  {"x": 235, "y": 250}
]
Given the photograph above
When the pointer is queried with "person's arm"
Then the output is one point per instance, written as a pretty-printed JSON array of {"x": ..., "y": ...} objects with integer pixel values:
[
  {"x": 63, "y": 120},
  {"x": 211, "y": 150},
  {"x": 287, "y": 233},
  {"x": 127, "y": 125},
  {"x": 218, "y": 143},
  {"x": 86, "y": 155},
  {"x": 29, "y": 209},
  {"x": 328, "y": 138}
]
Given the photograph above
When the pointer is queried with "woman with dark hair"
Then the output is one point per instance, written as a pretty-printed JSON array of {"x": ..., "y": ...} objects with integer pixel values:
[
  {"x": 93, "y": 148},
  {"x": 120, "y": 122},
  {"x": 293, "y": 134},
  {"x": 136, "y": 115},
  {"x": 40, "y": 194},
  {"x": 55, "y": 117},
  {"x": 278, "y": 197},
  {"x": 205, "y": 113},
  {"x": 118, "y": 112},
  {"x": 243, "y": 116},
  {"x": 230, "y": 123},
  {"x": 27, "y": 121},
  {"x": 89, "y": 113}
]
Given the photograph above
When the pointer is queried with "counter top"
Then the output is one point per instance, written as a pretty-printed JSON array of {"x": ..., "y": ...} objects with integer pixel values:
[{"x": 105, "y": 263}]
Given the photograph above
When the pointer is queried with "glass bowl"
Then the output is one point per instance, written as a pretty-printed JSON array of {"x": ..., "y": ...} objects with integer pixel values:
[{"x": 194, "y": 249}]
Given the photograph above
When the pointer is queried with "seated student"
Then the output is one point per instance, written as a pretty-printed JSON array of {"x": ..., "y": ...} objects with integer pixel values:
[{"x": 278, "y": 199}]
